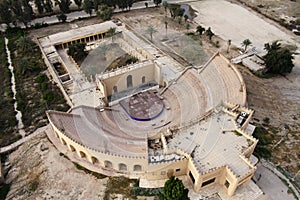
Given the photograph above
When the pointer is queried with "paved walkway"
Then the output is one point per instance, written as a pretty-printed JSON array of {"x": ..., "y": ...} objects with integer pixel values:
[{"x": 270, "y": 182}]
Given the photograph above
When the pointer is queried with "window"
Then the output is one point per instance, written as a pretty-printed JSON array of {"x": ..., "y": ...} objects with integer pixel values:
[
  {"x": 107, "y": 164},
  {"x": 129, "y": 81},
  {"x": 227, "y": 184},
  {"x": 137, "y": 168},
  {"x": 115, "y": 89},
  {"x": 82, "y": 154},
  {"x": 94, "y": 160},
  {"x": 208, "y": 182},
  {"x": 192, "y": 177},
  {"x": 122, "y": 167},
  {"x": 72, "y": 148},
  {"x": 163, "y": 173},
  {"x": 63, "y": 141},
  {"x": 177, "y": 170},
  {"x": 143, "y": 79}
]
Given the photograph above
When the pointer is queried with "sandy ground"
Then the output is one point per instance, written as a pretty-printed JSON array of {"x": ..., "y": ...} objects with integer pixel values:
[
  {"x": 264, "y": 178},
  {"x": 45, "y": 174},
  {"x": 231, "y": 21}
]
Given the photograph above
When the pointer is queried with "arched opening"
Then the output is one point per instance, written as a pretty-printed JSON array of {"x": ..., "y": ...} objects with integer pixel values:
[
  {"x": 63, "y": 141},
  {"x": 122, "y": 167},
  {"x": 108, "y": 164},
  {"x": 143, "y": 79},
  {"x": 137, "y": 168},
  {"x": 82, "y": 154},
  {"x": 129, "y": 81},
  {"x": 115, "y": 89},
  {"x": 94, "y": 160},
  {"x": 72, "y": 148}
]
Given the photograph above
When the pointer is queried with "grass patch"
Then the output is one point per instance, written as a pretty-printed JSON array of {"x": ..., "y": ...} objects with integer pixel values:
[
  {"x": 157, "y": 192},
  {"x": 262, "y": 149},
  {"x": 119, "y": 185},
  {"x": 33, "y": 186}
]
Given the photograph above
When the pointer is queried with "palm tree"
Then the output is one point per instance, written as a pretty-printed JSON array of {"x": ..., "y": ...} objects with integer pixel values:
[
  {"x": 200, "y": 29},
  {"x": 187, "y": 26},
  {"x": 273, "y": 47},
  {"x": 228, "y": 45},
  {"x": 25, "y": 43},
  {"x": 209, "y": 33},
  {"x": 165, "y": 5},
  {"x": 151, "y": 30},
  {"x": 166, "y": 25},
  {"x": 111, "y": 32},
  {"x": 246, "y": 43}
]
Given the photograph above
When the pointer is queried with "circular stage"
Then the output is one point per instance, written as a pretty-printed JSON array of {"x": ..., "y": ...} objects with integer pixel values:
[{"x": 143, "y": 106}]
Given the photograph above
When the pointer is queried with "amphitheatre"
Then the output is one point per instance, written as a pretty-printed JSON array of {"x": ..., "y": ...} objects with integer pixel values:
[{"x": 151, "y": 119}]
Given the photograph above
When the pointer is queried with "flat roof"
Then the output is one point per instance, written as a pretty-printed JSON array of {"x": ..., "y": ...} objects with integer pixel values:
[
  {"x": 213, "y": 143},
  {"x": 76, "y": 33}
]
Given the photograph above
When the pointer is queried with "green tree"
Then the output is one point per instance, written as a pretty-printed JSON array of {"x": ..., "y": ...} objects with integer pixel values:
[
  {"x": 228, "y": 45},
  {"x": 278, "y": 60},
  {"x": 246, "y": 43},
  {"x": 5, "y": 12},
  {"x": 157, "y": 2},
  {"x": 175, "y": 10},
  {"x": 77, "y": 51},
  {"x": 104, "y": 12},
  {"x": 187, "y": 26},
  {"x": 25, "y": 43},
  {"x": 185, "y": 18},
  {"x": 39, "y": 5},
  {"x": 48, "y": 5},
  {"x": 200, "y": 30},
  {"x": 274, "y": 46},
  {"x": 174, "y": 190},
  {"x": 111, "y": 32},
  {"x": 179, "y": 19},
  {"x": 96, "y": 4},
  {"x": 165, "y": 5},
  {"x": 166, "y": 25},
  {"x": 209, "y": 33},
  {"x": 88, "y": 6},
  {"x": 78, "y": 3},
  {"x": 62, "y": 17},
  {"x": 64, "y": 5},
  {"x": 151, "y": 30}
]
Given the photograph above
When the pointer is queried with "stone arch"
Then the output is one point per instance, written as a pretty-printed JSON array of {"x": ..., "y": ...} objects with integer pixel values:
[
  {"x": 56, "y": 135},
  {"x": 143, "y": 79},
  {"x": 72, "y": 148},
  {"x": 122, "y": 167},
  {"x": 115, "y": 89},
  {"x": 82, "y": 154},
  {"x": 63, "y": 141},
  {"x": 129, "y": 81},
  {"x": 94, "y": 160},
  {"x": 137, "y": 168},
  {"x": 108, "y": 164}
]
